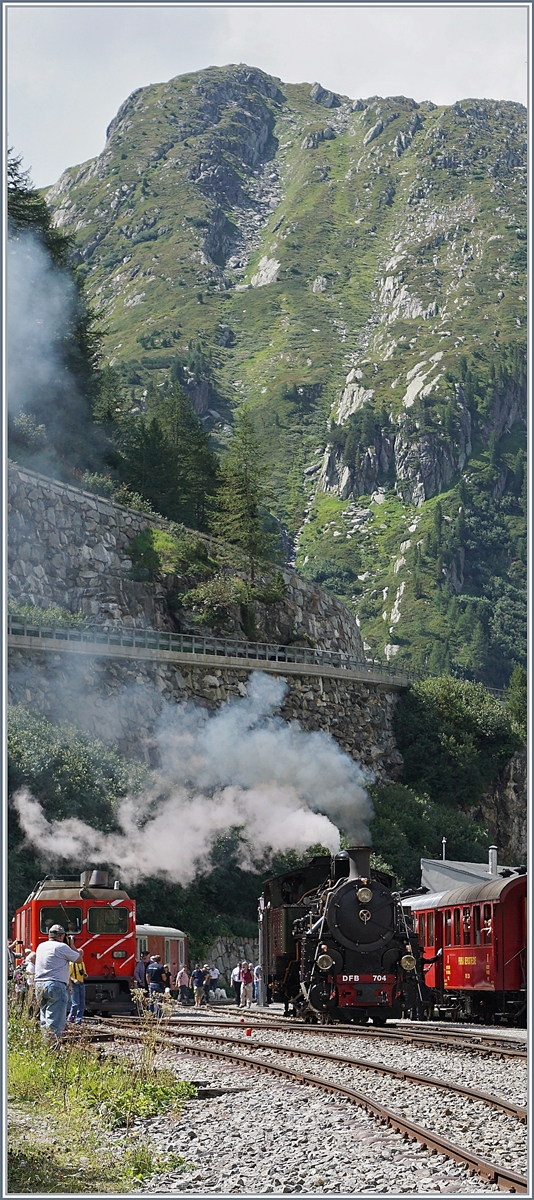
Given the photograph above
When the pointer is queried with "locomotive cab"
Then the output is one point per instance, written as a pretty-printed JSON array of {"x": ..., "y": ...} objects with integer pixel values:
[{"x": 100, "y": 919}]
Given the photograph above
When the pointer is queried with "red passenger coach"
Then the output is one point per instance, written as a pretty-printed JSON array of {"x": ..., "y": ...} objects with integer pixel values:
[
  {"x": 481, "y": 929},
  {"x": 165, "y": 940},
  {"x": 98, "y": 918}
]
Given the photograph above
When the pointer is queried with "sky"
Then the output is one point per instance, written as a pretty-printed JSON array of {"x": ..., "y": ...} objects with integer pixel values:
[{"x": 70, "y": 66}]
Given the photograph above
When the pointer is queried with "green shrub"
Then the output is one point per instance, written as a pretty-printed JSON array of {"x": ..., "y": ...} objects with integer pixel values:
[
  {"x": 213, "y": 600},
  {"x": 162, "y": 553},
  {"x": 454, "y": 737},
  {"x": 53, "y": 614},
  {"x": 407, "y": 827}
]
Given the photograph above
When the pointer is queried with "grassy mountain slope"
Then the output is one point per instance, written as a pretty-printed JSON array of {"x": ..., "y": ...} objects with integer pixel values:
[{"x": 356, "y": 271}]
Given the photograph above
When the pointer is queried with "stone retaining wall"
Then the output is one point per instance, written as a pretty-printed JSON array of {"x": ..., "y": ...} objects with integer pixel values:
[
  {"x": 226, "y": 953},
  {"x": 70, "y": 547},
  {"x": 121, "y": 700}
]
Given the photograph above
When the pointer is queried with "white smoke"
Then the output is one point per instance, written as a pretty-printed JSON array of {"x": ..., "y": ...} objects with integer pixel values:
[
  {"x": 285, "y": 788},
  {"x": 41, "y": 303}
]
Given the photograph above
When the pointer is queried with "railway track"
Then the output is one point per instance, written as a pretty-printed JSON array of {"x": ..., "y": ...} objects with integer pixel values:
[
  {"x": 211, "y": 1047},
  {"x": 478, "y": 1043}
]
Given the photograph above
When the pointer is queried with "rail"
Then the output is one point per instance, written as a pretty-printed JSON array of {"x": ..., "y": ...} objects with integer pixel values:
[{"x": 199, "y": 644}]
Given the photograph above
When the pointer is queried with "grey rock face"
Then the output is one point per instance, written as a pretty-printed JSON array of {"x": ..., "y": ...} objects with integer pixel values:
[
  {"x": 321, "y": 135},
  {"x": 505, "y": 807},
  {"x": 373, "y": 133},
  {"x": 322, "y": 96}
]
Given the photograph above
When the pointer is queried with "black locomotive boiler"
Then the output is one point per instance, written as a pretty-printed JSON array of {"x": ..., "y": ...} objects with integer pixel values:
[{"x": 335, "y": 942}]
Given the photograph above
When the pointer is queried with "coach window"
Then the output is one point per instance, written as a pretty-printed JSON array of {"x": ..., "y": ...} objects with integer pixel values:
[
  {"x": 466, "y": 922},
  {"x": 487, "y": 926},
  {"x": 69, "y": 918},
  {"x": 457, "y": 927},
  {"x": 447, "y": 927},
  {"x": 107, "y": 920},
  {"x": 422, "y": 937},
  {"x": 476, "y": 923},
  {"x": 430, "y": 929}
]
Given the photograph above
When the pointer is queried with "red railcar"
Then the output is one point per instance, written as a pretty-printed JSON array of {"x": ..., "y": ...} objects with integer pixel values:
[
  {"x": 481, "y": 929},
  {"x": 98, "y": 918},
  {"x": 165, "y": 940}
]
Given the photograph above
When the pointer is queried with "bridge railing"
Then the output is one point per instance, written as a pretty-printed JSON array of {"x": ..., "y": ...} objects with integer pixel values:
[{"x": 192, "y": 643}]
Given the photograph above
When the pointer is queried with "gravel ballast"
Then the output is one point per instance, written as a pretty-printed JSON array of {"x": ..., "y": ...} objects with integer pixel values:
[{"x": 249, "y": 1133}]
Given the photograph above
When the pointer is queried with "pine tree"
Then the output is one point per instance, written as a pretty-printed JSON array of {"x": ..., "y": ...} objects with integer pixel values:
[{"x": 240, "y": 516}]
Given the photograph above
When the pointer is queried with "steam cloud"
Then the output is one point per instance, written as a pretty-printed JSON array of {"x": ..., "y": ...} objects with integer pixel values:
[
  {"x": 41, "y": 307},
  {"x": 243, "y": 766}
]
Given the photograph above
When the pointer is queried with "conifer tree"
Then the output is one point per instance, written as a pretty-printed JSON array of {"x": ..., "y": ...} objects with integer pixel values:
[{"x": 240, "y": 516}]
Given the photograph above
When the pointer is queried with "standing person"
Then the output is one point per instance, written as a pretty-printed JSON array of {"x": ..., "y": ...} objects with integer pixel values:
[
  {"x": 197, "y": 979},
  {"x": 155, "y": 973},
  {"x": 236, "y": 982},
  {"x": 257, "y": 980},
  {"x": 247, "y": 979},
  {"x": 140, "y": 979},
  {"x": 52, "y": 960},
  {"x": 182, "y": 983},
  {"x": 206, "y": 983},
  {"x": 214, "y": 978},
  {"x": 77, "y": 982}
]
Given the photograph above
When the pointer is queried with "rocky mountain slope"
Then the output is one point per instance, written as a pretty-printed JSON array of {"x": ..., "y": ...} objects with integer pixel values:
[{"x": 356, "y": 270}]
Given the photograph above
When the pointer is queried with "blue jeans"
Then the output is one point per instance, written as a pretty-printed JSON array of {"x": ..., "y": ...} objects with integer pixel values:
[
  {"x": 155, "y": 1004},
  {"x": 52, "y": 998},
  {"x": 78, "y": 1003}
]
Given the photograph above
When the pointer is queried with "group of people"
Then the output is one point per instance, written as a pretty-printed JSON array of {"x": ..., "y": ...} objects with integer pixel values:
[
  {"x": 154, "y": 978},
  {"x": 245, "y": 982}
]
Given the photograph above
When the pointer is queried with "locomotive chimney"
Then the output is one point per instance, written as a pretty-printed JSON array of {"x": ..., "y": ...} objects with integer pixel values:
[
  {"x": 360, "y": 862},
  {"x": 492, "y": 865},
  {"x": 99, "y": 879}
]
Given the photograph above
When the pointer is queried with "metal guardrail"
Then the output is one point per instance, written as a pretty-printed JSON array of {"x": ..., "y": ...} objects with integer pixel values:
[{"x": 190, "y": 643}]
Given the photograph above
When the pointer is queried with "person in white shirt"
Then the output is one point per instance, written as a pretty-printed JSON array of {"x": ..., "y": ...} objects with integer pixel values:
[
  {"x": 236, "y": 982},
  {"x": 52, "y": 977}
]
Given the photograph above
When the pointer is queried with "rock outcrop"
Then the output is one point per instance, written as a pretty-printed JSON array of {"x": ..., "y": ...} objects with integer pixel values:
[{"x": 504, "y": 807}]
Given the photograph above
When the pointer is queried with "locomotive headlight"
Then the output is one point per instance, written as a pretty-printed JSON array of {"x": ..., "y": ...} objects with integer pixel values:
[
  {"x": 364, "y": 895},
  {"x": 324, "y": 962},
  {"x": 407, "y": 962}
]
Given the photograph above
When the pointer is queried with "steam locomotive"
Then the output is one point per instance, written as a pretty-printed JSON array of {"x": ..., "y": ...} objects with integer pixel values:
[
  {"x": 336, "y": 943},
  {"x": 96, "y": 916}
]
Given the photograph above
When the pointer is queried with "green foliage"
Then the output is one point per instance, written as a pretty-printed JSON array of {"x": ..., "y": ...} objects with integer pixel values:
[
  {"x": 120, "y": 493},
  {"x": 165, "y": 456},
  {"x": 119, "y": 1096},
  {"x": 70, "y": 773},
  {"x": 75, "y": 1086},
  {"x": 454, "y": 738},
  {"x": 154, "y": 552},
  {"x": 408, "y": 826},
  {"x": 241, "y": 497},
  {"x": 517, "y": 700},
  {"x": 53, "y": 614},
  {"x": 213, "y": 601}
]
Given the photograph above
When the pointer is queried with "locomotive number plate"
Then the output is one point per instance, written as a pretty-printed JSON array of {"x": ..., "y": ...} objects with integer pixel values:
[{"x": 366, "y": 978}]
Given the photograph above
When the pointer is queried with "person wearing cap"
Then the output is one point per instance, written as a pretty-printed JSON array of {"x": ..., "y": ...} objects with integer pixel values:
[
  {"x": 156, "y": 975},
  {"x": 52, "y": 977}
]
